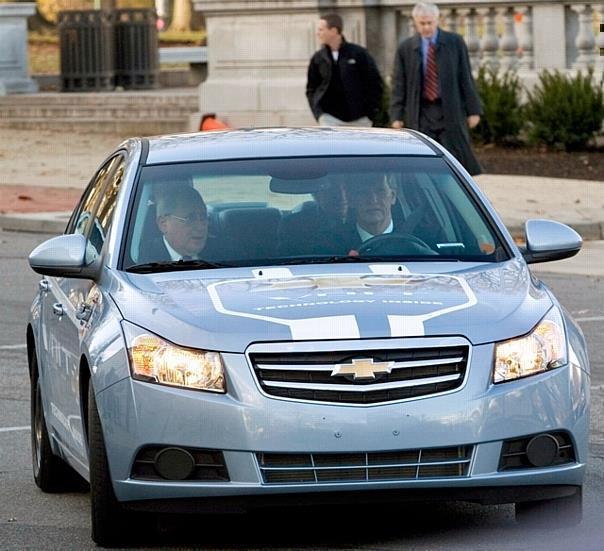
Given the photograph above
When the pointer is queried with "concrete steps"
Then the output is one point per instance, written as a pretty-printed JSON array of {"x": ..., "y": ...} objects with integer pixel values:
[{"x": 137, "y": 113}]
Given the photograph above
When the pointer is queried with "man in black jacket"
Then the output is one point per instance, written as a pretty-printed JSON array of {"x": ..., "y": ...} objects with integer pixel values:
[
  {"x": 344, "y": 86},
  {"x": 434, "y": 91}
]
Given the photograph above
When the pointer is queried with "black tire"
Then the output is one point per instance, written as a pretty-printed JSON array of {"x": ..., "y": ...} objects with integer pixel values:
[
  {"x": 563, "y": 512},
  {"x": 51, "y": 473},
  {"x": 111, "y": 524}
]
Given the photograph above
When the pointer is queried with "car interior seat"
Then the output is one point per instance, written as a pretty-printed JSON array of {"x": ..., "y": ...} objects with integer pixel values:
[{"x": 247, "y": 233}]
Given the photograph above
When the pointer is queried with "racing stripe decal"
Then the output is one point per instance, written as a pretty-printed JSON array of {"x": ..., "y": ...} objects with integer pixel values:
[
  {"x": 331, "y": 327},
  {"x": 406, "y": 326}
]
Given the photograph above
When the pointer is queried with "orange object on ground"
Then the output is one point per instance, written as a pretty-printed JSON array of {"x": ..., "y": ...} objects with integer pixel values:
[{"x": 210, "y": 122}]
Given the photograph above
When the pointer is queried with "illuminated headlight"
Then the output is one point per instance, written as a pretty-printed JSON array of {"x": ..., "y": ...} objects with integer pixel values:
[
  {"x": 155, "y": 360},
  {"x": 541, "y": 350}
]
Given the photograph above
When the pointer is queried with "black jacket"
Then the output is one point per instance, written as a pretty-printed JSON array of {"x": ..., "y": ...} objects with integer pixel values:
[
  {"x": 361, "y": 83},
  {"x": 155, "y": 251}
]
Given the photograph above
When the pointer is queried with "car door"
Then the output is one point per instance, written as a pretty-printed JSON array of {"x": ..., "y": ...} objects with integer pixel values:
[{"x": 66, "y": 305}]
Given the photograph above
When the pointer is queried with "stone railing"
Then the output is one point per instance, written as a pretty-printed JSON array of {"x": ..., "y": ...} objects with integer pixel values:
[{"x": 527, "y": 37}]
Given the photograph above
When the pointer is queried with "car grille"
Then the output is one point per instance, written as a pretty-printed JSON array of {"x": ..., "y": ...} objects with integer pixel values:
[
  {"x": 412, "y": 372},
  {"x": 318, "y": 468}
]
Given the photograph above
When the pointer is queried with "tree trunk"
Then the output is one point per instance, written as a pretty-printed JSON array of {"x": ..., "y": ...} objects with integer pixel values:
[{"x": 181, "y": 16}]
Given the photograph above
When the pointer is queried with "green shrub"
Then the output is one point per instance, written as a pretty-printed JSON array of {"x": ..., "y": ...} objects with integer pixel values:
[
  {"x": 502, "y": 118},
  {"x": 565, "y": 112}
]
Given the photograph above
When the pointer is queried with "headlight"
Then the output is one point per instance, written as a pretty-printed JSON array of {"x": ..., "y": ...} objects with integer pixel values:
[
  {"x": 543, "y": 349},
  {"x": 155, "y": 360}
]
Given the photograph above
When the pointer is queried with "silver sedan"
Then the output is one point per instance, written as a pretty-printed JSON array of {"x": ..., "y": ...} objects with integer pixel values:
[{"x": 301, "y": 315}]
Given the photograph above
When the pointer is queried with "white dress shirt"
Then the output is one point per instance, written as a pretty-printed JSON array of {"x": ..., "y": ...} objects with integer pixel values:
[{"x": 365, "y": 235}]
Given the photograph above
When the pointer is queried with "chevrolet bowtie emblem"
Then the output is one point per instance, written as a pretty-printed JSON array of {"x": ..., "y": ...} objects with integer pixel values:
[{"x": 362, "y": 368}]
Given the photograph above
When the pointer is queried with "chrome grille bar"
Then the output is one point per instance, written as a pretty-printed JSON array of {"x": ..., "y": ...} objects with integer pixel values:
[
  {"x": 330, "y": 367},
  {"x": 363, "y": 388}
]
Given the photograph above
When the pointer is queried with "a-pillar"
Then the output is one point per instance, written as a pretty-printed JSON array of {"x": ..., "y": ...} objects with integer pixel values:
[{"x": 14, "y": 76}]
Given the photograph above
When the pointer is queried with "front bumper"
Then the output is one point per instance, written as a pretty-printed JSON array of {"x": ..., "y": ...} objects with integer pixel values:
[{"x": 245, "y": 422}]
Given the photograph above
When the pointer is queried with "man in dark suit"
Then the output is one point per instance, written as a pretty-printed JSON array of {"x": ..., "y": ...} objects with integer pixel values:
[
  {"x": 376, "y": 228},
  {"x": 434, "y": 91},
  {"x": 344, "y": 86},
  {"x": 371, "y": 199},
  {"x": 182, "y": 219}
]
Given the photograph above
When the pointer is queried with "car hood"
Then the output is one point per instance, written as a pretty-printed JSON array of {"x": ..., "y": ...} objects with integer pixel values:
[{"x": 228, "y": 309}]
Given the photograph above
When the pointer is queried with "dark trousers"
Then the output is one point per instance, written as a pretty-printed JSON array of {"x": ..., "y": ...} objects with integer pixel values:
[
  {"x": 431, "y": 119},
  {"x": 457, "y": 141}
]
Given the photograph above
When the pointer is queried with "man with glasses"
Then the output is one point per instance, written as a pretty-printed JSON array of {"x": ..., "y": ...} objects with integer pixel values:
[{"x": 182, "y": 219}]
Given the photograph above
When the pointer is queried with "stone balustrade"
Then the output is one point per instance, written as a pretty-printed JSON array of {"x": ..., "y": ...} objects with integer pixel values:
[
  {"x": 527, "y": 37},
  {"x": 258, "y": 50}
]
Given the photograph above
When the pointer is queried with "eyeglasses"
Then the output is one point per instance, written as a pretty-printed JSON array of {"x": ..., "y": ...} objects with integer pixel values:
[{"x": 191, "y": 218}]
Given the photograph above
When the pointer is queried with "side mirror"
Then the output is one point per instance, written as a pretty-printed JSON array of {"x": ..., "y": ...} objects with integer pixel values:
[
  {"x": 63, "y": 256},
  {"x": 547, "y": 240}
]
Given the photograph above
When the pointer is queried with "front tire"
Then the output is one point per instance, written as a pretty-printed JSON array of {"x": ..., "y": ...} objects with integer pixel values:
[
  {"x": 563, "y": 512},
  {"x": 51, "y": 473},
  {"x": 111, "y": 524}
]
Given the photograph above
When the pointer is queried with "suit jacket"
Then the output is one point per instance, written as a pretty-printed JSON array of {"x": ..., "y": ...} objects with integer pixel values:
[
  {"x": 458, "y": 91},
  {"x": 156, "y": 251}
]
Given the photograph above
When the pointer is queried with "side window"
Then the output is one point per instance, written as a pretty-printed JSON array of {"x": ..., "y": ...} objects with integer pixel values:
[
  {"x": 80, "y": 219},
  {"x": 103, "y": 216}
]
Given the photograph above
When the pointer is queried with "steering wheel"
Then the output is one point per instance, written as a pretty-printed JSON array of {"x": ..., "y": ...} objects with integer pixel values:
[{"x": 396, "y": 244}]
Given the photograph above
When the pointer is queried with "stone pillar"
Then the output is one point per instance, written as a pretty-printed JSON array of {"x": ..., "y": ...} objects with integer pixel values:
[
  {"x": 258, "y": 55},
  {"x": 509, "y": 42},
  {"x": 549, "y": 31},
  {"x": 526, "y": 42},
  {"x": 13, "y": 50},
  {"x": 490, "y": 41},
  {"x": 585, "y": 40},
  {"x": 472, "y": 40}
]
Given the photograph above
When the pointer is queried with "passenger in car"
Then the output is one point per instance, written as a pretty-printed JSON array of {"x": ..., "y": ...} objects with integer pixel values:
[
  {"x": 182, "y": 219},
  {"x": 316, "y": 227},
  {"x": 371, "y": 200}
]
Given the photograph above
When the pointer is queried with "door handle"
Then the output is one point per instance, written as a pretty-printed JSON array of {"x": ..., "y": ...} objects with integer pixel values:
[
  {"x": 57, "y": 309},
  {"x": 44, "y": 285}
]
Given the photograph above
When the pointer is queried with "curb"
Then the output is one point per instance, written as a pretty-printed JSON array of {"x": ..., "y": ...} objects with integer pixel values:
[
  {"x": 43, "y": 222},
  {"x": 55, "y": 222}
]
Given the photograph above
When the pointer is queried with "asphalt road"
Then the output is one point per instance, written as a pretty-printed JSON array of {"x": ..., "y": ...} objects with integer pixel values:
[{"x": 30, "y": 519}]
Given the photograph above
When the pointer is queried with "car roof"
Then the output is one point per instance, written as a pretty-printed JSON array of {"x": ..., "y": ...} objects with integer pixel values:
[{"x": 285, "y": 142}]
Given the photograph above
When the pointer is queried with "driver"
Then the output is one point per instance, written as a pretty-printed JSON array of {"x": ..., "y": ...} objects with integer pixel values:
[{"x": 371, "y": 199}]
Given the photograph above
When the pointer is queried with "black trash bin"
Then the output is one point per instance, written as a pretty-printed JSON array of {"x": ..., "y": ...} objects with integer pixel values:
[
  {"x": 87, "y": 50},
  {"x": 136, "y": 49}
]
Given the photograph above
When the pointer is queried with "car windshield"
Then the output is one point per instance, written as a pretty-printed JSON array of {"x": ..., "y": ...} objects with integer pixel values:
[{"x": 305, "y": 210}]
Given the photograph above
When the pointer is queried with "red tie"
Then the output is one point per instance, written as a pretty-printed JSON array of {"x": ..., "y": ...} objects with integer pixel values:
[{"x": 431, "y": 76}]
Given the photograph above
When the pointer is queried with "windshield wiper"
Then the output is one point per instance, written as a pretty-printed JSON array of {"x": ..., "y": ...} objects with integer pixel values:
[
  {"x": 174, "y": 266},
  {"x": 336, "y": 259},
  {"x": 393, "y": 259}
]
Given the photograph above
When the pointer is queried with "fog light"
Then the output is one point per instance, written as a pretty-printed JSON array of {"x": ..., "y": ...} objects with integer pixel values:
[
  {"x": 542, "y": 450},
  {"x": 174, "y": 464}
]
